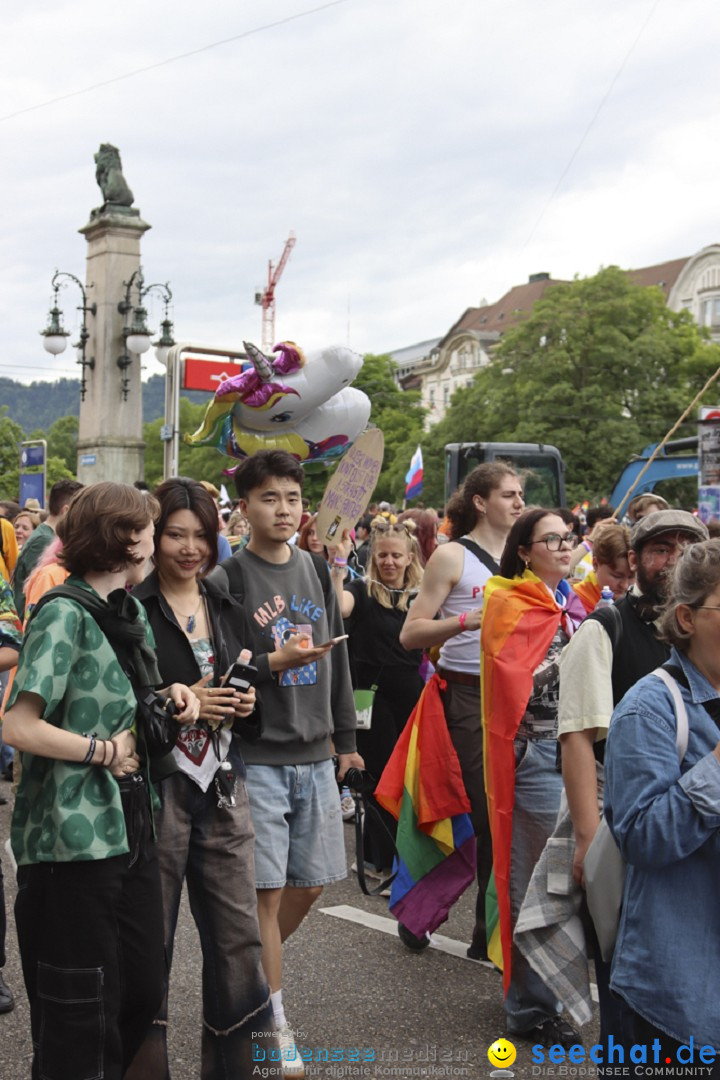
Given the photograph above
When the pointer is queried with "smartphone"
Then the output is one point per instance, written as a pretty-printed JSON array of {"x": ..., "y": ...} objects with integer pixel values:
[
  {"x": 242, "y": 675},
  {"x": 332, "y": 641}
]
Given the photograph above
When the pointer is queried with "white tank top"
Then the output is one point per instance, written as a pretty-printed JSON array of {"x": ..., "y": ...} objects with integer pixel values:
[{"x": 462, "y": 652}]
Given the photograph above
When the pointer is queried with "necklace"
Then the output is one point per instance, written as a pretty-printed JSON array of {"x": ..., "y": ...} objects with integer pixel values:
[
  {"x": 191, "y": 620},
  {"x": 401, "y": 592}
]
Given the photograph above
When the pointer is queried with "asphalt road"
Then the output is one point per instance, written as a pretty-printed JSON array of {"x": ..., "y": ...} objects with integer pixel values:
[{"x": 348, "y": 986}]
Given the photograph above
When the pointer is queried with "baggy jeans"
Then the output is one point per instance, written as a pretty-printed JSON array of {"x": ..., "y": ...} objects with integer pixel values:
[{"x": 212, "y": 849}]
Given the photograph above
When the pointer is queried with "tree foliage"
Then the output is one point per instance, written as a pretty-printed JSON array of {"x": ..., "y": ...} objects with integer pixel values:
[
  {"x": 11, "y": 435},
  {"x": 600, "y": 369},
  {"x": 200, "y": 462}
]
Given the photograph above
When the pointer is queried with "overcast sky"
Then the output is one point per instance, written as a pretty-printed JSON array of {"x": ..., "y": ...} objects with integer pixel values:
[{"x": 415, "y": 147}]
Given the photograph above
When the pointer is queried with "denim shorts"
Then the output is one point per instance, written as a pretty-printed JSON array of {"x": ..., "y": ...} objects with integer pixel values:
[{"x": 298, "y": 825}]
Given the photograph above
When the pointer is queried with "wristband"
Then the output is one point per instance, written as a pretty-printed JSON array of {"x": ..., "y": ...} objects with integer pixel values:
[
  {"x": 461, "y": 618},
  {"x": 340, "y": 562},
  {"x": 91, "y": 752}
]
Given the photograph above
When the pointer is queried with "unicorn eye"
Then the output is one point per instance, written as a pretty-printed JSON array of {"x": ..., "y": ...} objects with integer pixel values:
[{"x": 282, "y": 418}]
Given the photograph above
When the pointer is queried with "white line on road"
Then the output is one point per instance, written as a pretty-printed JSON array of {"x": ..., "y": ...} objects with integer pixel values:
[{"x": 389, "y": 926}]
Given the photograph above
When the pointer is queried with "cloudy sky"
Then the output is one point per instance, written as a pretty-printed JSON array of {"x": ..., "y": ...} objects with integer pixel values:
[{"x": 428, "y": 154}]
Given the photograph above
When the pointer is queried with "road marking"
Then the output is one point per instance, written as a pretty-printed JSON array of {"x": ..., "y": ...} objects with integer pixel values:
[{"x": 389, "y": 926}]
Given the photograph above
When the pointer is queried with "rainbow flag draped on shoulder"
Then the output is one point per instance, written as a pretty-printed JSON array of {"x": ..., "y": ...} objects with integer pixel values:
[
  {"x": 520, "y": 618},
  {"x": 588, "y": 590},
  {"x": 422, "y": 787}
]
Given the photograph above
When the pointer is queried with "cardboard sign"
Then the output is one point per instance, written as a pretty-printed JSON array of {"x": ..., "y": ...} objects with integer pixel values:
[{"x": 347, "y": 495}]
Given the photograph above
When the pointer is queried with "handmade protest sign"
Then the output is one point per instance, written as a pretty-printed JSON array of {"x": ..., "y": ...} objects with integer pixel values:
[{"x": 351, "y": 486}]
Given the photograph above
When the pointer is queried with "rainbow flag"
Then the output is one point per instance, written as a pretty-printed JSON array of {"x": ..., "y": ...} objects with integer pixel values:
[
  {"x": 414, "y": 476},
  {"x": 588, "y": 590},
  {"x": 520, "y": 618},
  {"x": 422, "y": 787}
]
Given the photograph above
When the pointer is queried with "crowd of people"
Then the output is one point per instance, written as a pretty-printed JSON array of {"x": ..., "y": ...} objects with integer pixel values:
[{"x": 181, "y": 709}]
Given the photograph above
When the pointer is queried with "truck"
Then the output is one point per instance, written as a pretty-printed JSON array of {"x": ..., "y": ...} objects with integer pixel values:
[
  {"x": 678, "y": 460},
  {"x": 541, "y": 466}
]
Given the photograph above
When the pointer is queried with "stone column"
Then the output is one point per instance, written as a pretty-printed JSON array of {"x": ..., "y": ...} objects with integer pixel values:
[{"x": 110, "y": 443}]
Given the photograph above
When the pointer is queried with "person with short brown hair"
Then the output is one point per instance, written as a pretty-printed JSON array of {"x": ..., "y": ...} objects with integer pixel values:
[{"x": 89, "y": 912}]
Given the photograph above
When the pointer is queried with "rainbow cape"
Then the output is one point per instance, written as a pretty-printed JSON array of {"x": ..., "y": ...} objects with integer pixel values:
[
  {"x": 422, "y": 787},
  {"x": 588, "y": 590},
  {"x": 520, "y": 618}
]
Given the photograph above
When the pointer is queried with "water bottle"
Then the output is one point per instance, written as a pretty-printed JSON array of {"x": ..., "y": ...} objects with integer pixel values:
[{"x": 606, "y": 598}]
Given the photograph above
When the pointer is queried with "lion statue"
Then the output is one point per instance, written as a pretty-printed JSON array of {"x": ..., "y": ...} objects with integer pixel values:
[{"x": 109, "y": 176}]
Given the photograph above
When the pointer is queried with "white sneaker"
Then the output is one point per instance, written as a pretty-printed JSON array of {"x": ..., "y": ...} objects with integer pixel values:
[{"x": 292, "y": 1063}]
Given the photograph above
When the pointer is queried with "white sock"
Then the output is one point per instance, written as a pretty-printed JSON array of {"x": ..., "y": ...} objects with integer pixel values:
[{"x": 278, "y": 1010}]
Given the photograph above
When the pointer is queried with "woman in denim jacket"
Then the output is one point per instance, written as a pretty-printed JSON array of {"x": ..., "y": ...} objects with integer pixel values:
[{"x": 665, "y": 816}]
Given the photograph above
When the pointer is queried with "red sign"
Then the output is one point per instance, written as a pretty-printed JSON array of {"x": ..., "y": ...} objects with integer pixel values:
[{"x": 207, "y": 374}]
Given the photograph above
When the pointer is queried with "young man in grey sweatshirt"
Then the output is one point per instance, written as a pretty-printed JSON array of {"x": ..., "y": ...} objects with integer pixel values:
[{"x": 307, "y": 708}]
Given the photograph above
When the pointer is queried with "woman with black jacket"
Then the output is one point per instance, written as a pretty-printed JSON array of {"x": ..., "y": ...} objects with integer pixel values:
[{"x": 205, "y": 832}]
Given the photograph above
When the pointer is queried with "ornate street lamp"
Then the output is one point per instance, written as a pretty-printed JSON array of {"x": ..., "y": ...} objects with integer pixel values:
[
  {"x": 56, "y": 336},
  {"x": 136, "y": 336}
]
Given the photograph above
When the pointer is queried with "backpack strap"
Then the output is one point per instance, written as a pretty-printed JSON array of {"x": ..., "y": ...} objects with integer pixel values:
[
  {"x": 67, "y": 592},
  {"x": 681, "y": 717},
  {"x": 611, "y": 621},
  {"x": 480, "y": 554}
]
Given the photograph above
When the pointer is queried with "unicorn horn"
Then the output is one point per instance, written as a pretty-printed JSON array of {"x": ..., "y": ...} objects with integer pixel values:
[{"x": 262, "y": 364}]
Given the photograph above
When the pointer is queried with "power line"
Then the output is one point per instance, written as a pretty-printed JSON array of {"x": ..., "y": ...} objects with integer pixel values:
[
  {"x": 174, "y": 59},
  {"x": 591, "y": 124}
]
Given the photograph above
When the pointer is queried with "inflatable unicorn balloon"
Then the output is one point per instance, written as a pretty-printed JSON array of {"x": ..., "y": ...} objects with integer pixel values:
[{"x": 302, "y": 404}]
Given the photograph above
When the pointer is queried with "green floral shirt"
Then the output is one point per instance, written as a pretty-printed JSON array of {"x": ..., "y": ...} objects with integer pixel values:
[{"x": 66, "y": 811}]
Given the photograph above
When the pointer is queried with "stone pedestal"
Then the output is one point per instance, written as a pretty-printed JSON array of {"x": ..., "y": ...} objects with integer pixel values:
[{"x": 110, "y": 444}]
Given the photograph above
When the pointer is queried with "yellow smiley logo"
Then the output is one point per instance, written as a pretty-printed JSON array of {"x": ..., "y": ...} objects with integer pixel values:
[{"x": 502, "y": 1054}]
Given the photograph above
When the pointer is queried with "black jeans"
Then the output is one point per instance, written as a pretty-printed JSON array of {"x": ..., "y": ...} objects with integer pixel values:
[
  {"x": 464, "y": 722},
  {"x": 91, "y": 943},
  {"x": 3, "y": 920}
]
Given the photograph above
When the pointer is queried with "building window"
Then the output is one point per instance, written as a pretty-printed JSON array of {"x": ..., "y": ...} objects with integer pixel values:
[
  {"x": 446, "y": 395},
  {"x": 710, "y": 312}
]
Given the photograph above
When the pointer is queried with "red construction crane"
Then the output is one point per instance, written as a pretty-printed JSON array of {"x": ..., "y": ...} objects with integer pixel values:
[{"x": 266, "y": 299}]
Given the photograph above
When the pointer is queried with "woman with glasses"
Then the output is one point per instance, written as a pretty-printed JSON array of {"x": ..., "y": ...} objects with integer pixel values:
[
  {"x": 529, "y": 614},
  {"x": 375, "y": 610},
  {"x": 663, "y": 807}
]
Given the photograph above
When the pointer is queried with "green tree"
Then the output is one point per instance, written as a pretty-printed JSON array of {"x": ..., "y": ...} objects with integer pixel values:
[
  {"x": 399, "y": 416},
  {"x": 61, "y": 439},
  {"x": 600, "y": 369},
  {"x": 11, "y": 435},
  {"x": 201, "y": 462}
]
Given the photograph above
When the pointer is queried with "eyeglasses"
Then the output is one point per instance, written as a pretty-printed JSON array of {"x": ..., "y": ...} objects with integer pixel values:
[
  {"x": 554, "y": 541},
  {"x": 708, "y": 607}
]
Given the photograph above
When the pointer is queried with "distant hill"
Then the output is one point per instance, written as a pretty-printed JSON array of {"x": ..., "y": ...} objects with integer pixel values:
[{"x": 40, "y": 404}]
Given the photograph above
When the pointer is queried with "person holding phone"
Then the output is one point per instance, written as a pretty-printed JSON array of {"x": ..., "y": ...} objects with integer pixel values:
[
  {"x": 205, "y": 832},
  {"x": 309, "y": 711}
]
